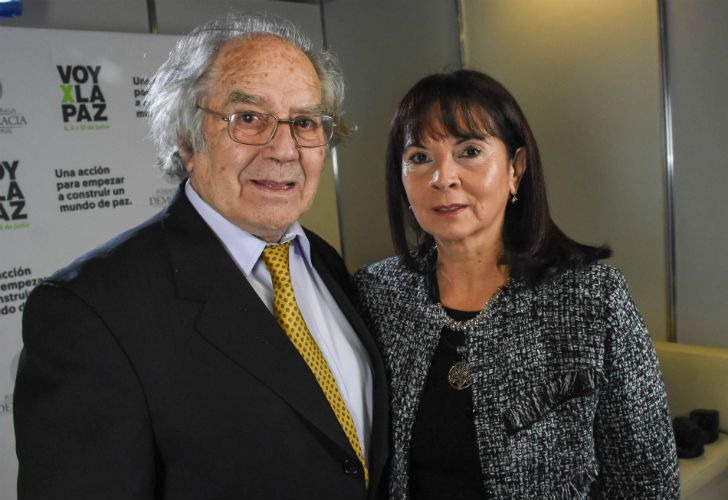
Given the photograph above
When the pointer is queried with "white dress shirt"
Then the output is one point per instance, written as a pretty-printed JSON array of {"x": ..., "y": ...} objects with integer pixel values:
[{"x": 339, "y": 344}]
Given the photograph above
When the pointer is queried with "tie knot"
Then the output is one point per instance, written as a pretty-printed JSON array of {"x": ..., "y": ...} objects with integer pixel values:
[{"x": 275, "y": 258}]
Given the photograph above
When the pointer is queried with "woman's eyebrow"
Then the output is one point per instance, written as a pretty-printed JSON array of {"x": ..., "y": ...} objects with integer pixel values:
[
  {"x": 413, "y": 144},
  {"x": 466, "y": 138}
]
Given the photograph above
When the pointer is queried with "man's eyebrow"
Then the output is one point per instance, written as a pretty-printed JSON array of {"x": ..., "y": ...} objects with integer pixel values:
[
  {"x": 316, "y": 109},
  {"x": 243, "y": 98},
  {"x": 238, "y": 97}
]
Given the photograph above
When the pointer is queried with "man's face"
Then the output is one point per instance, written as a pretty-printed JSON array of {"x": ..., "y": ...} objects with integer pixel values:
[{"x": 260, "y": 189}]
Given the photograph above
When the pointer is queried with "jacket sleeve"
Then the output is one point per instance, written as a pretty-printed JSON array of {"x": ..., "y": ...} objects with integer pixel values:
[
  {"x": 633, "y": 431},
  {"x": 81, "y": 420}
]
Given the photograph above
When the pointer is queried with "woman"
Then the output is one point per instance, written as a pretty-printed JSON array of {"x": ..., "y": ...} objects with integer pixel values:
[{"x": 519, "y": 366}]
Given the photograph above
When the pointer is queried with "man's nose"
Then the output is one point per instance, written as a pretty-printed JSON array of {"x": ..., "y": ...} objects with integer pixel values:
[{"x": 282, "y": 146}]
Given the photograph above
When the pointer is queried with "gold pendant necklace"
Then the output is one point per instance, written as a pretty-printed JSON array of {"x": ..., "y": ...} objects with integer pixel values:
[{"x": 459, "y": 374}]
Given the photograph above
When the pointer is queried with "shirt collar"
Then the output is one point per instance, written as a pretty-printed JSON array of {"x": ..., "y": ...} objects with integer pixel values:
[{"x": 244, "y": 247}]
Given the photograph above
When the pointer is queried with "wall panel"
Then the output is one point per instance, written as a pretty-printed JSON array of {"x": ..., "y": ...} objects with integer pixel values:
[
  {"x": 698, "y": 51},
  {"x": 384, "y": 48},
  {"x": 587, "y": 75}
]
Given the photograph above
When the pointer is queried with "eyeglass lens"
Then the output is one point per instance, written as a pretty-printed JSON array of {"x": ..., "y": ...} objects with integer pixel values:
[{"x": 250, "y": 127}]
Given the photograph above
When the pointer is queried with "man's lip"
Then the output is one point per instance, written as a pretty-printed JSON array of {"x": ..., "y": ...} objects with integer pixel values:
[{"x": 274, "y": 185}]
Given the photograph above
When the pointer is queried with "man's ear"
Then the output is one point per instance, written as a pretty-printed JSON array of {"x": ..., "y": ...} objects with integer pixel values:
[{"x": 185, "y": 153}]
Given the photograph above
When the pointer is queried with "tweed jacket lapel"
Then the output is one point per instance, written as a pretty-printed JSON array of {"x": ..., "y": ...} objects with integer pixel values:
[
  {"x": 413, "y": 310},
  {"x": 428, "y": 319},
  {"x": 235, "y": 320}
]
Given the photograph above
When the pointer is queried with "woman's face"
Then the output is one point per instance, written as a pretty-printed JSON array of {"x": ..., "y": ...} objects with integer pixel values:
[{"x": 458, "y": 187}]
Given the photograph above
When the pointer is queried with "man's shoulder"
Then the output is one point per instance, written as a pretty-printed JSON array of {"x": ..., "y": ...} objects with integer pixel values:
[
  {"x": 325, "y": 256},
  {"x": 324, "y": 252},
  {"x": 123, "y": 255},
  {"x": 321, "y": 246}
]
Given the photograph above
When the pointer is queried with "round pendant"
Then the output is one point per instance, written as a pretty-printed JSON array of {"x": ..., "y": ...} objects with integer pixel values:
[{"x": 459, "y": 375}]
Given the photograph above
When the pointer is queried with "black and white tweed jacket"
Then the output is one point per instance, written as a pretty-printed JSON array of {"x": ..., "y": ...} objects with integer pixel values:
[{"x": 569, "y": 400}]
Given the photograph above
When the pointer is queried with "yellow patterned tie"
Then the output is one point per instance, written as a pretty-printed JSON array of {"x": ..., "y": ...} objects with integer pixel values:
[{"x": 291, "y": 321}]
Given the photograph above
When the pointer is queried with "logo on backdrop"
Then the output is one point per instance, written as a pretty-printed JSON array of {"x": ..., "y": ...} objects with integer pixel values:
[
  {"x": 10, "y": 118},
  {"x": 161, "y": 197},
  {"x": 83, "y": 105},
  {"x": 12, "y": 199}
]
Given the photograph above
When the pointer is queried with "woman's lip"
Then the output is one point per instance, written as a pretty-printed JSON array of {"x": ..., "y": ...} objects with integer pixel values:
[{"x": 449, "y": 209}]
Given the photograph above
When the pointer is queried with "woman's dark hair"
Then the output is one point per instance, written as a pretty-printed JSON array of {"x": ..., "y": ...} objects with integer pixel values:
[{"x": 466, "y": 101}]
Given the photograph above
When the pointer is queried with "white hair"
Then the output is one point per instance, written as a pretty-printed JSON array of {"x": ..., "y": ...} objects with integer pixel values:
[{"x": 183, "y": 80}]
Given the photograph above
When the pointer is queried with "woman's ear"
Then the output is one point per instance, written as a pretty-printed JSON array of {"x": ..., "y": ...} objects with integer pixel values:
[{"x": 518, "y": 168}]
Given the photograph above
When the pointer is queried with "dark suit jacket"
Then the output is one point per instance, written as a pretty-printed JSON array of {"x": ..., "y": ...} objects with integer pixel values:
[{"x": 152, "y": 370}]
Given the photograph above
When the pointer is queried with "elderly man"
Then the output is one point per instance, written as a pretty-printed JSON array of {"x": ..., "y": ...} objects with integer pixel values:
[{"x": 212, "y": 352}]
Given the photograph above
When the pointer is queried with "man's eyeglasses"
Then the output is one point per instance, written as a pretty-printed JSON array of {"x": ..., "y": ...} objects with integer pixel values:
[{"x": 256, "y": 129}]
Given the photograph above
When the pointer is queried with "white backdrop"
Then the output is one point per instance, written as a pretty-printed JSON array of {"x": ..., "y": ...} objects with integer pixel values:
[{"x": 76, "y": 167}]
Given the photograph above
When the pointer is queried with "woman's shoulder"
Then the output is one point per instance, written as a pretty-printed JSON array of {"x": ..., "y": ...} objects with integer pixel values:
[
  {"x": 390, "y": 277},
  {"x": 595, "y": 286},
  {"x": 389, "y": 270},
  {"x": 597, "y": 275},
  {"x": 383, "y": 266}
]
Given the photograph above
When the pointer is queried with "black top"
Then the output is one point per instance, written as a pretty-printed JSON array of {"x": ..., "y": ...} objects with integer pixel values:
[{"x": 444, "y": 455}]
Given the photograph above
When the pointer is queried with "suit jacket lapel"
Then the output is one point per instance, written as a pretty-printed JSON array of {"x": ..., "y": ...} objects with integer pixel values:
[
  {"x": 379, "y": 441},
  {"x": 235, "y": 320}
]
